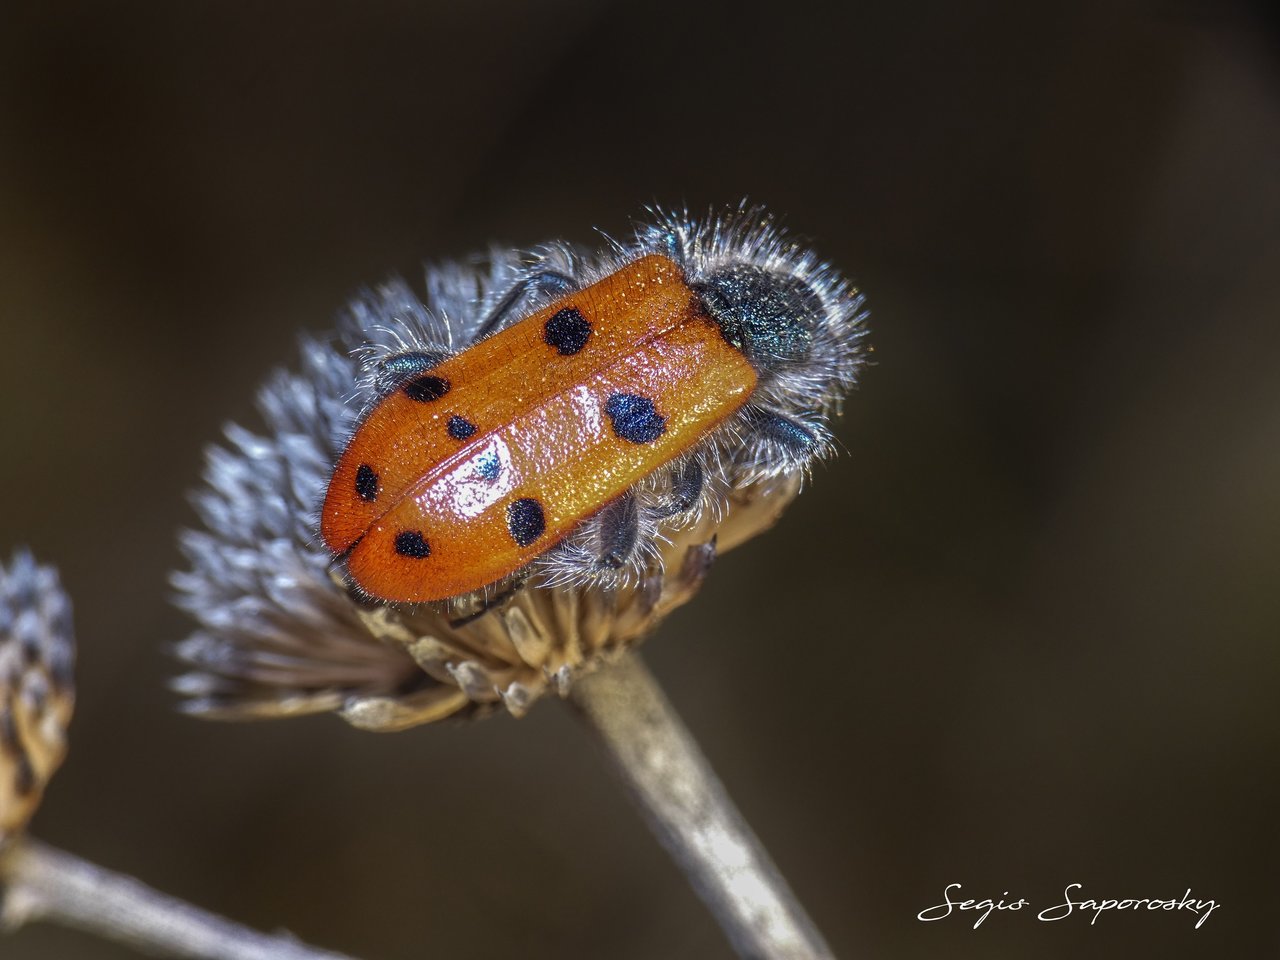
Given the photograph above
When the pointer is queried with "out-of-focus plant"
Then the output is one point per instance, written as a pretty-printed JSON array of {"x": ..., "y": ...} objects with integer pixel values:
[{"x": 38, "y": 882}]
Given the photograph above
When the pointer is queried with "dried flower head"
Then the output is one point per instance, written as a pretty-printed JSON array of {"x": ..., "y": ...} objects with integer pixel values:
[
  {"x": 282, "y": 632},
  {"x": 37, "y": 690}
]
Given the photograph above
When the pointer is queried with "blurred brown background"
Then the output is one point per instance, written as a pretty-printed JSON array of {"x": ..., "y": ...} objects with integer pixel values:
[{"x": 1023, "y": 634}]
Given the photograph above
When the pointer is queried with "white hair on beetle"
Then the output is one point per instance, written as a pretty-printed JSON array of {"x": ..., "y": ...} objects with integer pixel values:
[{"x": 795, "y": 397}]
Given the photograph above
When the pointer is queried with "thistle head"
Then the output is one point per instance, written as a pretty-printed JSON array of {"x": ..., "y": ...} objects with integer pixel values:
[
  {"x": 37, "y": 689},
  {"x": 282, "y": 631}
]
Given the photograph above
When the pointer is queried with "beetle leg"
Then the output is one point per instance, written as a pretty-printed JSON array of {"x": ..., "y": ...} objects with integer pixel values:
[
  {"x": 618, "y": 529},
  {"x": 394, "y": 370},
  {"x": 487, "y": 602},
  {"x": 544, "y": 281},
  {"x": 783, "y": 430},
  {"x": 780, "y": 441},
  {"x": 686, "y": 488}
]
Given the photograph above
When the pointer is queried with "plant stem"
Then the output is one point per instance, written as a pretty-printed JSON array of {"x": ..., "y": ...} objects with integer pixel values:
[
  {"x": 692, "y": 815},
  {"x": 40, "y": 883}
]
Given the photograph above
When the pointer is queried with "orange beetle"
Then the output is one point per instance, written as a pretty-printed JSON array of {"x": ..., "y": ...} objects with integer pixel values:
[{"x": 470, "y": 467}]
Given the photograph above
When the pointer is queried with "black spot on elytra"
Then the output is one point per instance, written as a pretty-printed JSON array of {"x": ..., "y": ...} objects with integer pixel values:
[
  {"x": 460, "y": 428},
  {"x": 488, "y": 465},
  {"x": 634, "y": 418},
  {"x": 412, "y": 544},
  {"x": 568, "y": 331},
  {"x": 525, "y": 520},
  {"x": 366, "y": 483},
  {"x": 428, "y": 388}
]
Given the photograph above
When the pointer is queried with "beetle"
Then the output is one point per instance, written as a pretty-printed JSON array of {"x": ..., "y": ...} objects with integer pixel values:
[{"x": 555, "y": 422}]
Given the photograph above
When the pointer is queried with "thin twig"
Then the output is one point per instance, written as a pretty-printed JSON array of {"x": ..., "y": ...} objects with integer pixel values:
[
  {"x": 41, "y": 883},
  {"x": 692, "y": 815}
]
